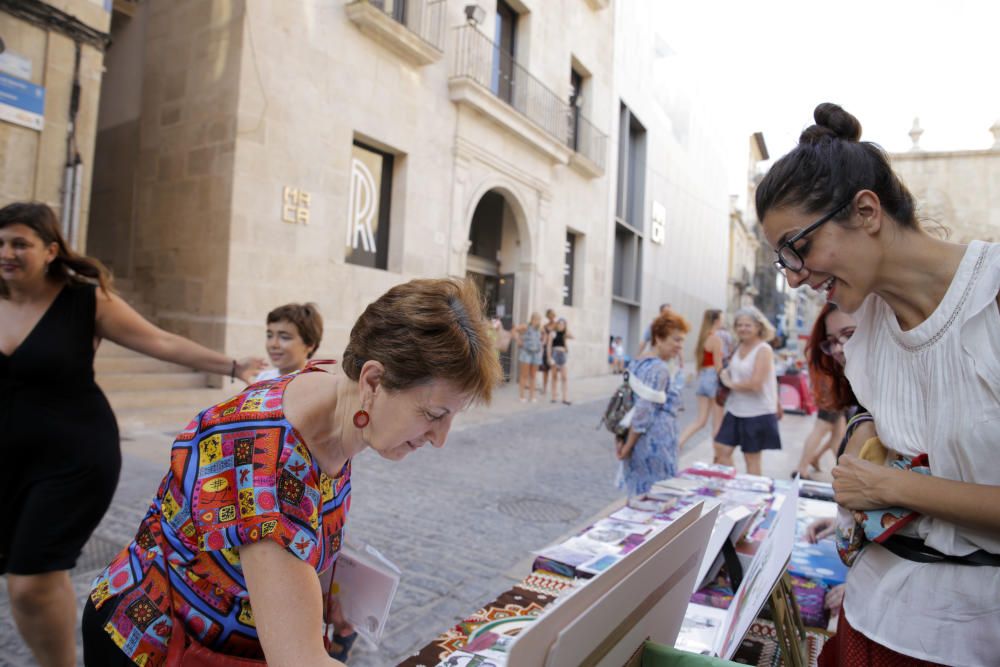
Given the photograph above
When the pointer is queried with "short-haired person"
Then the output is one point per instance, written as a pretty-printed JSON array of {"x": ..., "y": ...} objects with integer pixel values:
[
  {"x": 925, "y": 361},
  {"x": 648, "y": 453},
  {"x": 59, "y": 436},
  {"x": 253, "y": 506},
  {"x": 710, "y": 355},
  {"x": 647, "y": 336},
  {"x": 294, "y": 332},
  {"x": 751, "y": 419}
]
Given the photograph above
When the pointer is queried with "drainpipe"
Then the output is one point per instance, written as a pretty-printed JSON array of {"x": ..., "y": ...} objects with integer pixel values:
[{"x": 73, "y": 170}]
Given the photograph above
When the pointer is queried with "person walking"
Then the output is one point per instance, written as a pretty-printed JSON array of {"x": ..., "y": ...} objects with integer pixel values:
[
  {"x": 529, "y": 356},
  {"x": 710, "y": 354},
  {"x": 60, "y": 438},
  {"x": 924, "y": 360},
  {"x": 751, "y": 419},
  {"x": 253, "y": 507},
  {"x": 559, "y": 352},
  {"x": 648, "y": 453}
]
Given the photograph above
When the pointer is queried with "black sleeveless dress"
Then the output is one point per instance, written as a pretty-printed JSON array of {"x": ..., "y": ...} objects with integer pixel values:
[{"x": 58, "y": 440}]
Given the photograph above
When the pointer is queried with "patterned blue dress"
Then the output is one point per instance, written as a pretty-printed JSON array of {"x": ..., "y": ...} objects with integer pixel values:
[{"x": 654, "y": 456}]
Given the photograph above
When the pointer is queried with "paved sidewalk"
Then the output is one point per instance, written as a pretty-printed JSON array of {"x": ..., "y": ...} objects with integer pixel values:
[{"x": 460, "y": 522}]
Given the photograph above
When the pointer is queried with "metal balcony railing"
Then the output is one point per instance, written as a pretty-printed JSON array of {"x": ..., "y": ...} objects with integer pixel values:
[
  {"x": 424, "y": 18},
  {"x": 478, "y": 58}
]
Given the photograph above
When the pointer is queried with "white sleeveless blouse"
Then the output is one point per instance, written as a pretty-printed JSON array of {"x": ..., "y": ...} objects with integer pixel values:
[
  {"x": 934, "y": 389},
  {"x": 751, "y": 403}
]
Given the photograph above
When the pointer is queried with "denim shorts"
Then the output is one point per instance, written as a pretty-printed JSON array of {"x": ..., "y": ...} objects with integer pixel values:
[
  {"x": 708, "y": 383},
  {"x": 528, "y": 357},
  {"x": 558, "y": 357}
]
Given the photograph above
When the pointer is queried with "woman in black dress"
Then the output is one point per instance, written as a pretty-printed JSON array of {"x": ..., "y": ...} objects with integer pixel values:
[{"x": 60, "y": 445}]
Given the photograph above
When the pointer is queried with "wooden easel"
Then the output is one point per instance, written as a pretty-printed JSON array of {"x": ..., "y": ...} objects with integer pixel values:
[{"x": 788, "y": 623}]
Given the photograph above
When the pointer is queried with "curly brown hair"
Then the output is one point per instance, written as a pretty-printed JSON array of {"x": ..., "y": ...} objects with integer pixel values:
[
  {"x": 423, "y": 330},
  {"x": 668, "y": 321}
]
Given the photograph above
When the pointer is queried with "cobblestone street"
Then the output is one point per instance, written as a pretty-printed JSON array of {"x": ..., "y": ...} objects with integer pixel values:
[{"x": 461, "y": 522}]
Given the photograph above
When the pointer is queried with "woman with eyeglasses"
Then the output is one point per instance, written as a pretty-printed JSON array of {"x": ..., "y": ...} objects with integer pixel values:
[
  {"x": 925, "y": 361},
  {"x": 832, "y": 391}
]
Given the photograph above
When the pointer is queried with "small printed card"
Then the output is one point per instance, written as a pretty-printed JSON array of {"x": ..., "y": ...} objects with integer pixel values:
[{"x": 597, "y": 565}]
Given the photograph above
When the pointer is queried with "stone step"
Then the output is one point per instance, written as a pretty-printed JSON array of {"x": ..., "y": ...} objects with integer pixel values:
[
  {"x": 193, "y": 399},
  {"x": 137, "y": 364},
  {"x": 131, "y": 381},
  {"x": 170, "y": 421},
  {"x": 109, "y": 349}
]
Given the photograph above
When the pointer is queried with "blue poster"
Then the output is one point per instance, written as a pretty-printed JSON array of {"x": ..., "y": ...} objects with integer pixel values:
[{"x": 21, "y": 102}]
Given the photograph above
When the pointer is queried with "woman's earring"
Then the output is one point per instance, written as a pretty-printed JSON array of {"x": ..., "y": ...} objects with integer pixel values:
[{"x": 361, "y": 418}]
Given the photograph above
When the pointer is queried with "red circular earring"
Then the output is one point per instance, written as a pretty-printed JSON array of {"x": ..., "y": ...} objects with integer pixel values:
[{"x": 361, "y": 418}]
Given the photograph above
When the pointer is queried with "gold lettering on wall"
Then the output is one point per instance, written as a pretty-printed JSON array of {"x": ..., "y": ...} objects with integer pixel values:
[{"x": 294, "y": 206}]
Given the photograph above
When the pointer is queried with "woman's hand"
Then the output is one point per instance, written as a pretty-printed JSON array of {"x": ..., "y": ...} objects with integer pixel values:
[
  {"x": 622, "y": 450},
  {"x": 248, "y": 368},
  {"x": 860, "y": 484},
  {"x": 820, "y": 529},
  {"x": 726, "y": 378}
]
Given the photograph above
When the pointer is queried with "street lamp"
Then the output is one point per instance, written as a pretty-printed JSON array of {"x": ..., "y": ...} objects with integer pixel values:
[{"x": 475, "y": 14}]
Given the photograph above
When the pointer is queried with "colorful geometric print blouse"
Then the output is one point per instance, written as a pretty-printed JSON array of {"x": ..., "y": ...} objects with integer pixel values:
[{"x": 239, "y": 473}]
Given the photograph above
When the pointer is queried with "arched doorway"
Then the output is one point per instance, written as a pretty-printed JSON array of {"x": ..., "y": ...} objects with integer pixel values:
[{"x": 492, "y": 262}]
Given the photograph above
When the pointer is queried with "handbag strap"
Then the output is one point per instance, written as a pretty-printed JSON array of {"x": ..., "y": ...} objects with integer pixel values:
[
  {"x": 915, "y": 550},
  {"x": 646, "y": 392}
]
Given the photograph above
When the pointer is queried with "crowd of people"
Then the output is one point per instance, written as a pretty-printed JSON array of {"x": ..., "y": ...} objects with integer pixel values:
[{"x": 226, "y": 564}]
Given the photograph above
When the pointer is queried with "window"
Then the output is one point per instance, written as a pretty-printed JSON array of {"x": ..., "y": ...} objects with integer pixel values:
[
  {"x": 505, "y": 45},
  {"x": 568, "y": 268},
  {"x": 575, "y": 106},
  {"x": 368, "y": 207},
  {"x": 631, "y": 169},
  {"x": 394, "y": 8}
]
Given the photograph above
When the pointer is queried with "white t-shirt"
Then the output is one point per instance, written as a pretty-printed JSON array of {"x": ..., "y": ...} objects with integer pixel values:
[
  {"x": 934, "y": 389},
  {"x": 268, "y": 374}
]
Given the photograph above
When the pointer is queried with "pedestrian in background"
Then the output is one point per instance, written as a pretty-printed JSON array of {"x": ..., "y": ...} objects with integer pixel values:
[
  {"x": 546, "y": 368},
  {"x": 60, "y": 439},
  {"x": 832, "y": 391},
  {"x": 294, "y": 332},
  {"x": 648, "y": 453},
  {"x": 924, "y": 360},
  {"x": 751, "y": 419},
  {"x": 529, "y": 356},
  {"x": 255, "y": 502},
  {"x": 709, "y": 354},
  {"x": 619, "y": 350},
  {"x": 558, "y": 352},
  {"x": 647, "y": 336}
]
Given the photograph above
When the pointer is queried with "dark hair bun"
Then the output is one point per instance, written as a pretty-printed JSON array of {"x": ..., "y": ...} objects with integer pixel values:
[{"x": 832, "y": 122}]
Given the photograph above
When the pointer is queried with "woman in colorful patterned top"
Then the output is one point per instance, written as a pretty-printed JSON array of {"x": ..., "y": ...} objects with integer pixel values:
[{"x": 255, "y": 501}]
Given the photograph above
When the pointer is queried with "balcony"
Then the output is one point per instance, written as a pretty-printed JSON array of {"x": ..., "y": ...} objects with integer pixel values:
[
  {"x": 413, "y": 29},
  {"x": 496, "y": 85}
]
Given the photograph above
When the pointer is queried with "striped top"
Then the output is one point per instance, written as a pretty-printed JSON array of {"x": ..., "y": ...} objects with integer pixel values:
[
  {"x": 934, "y": 389},
  {"x": 239, "y": 473}
]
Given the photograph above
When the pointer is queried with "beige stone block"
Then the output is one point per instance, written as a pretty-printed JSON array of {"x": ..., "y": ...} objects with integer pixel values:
[{"x": 200, "y": 161}]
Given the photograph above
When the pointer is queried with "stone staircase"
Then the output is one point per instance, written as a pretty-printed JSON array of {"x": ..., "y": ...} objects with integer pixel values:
[{"x": 145, "y": 393}]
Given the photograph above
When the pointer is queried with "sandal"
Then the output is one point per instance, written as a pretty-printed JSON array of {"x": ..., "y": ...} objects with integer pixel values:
[{"x": 339, "y": 647}]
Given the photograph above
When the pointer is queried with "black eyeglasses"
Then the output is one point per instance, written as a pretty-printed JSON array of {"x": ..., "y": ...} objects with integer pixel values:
[
  {"x": 827, "y": 344},
  {"x": 788, "y": 257}
]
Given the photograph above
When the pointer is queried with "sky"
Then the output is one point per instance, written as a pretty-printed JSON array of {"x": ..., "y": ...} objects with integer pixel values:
[{"x": 763, "y": 66}]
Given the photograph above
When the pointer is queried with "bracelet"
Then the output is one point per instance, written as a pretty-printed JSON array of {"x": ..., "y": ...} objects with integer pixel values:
[{"x": 232, "y": 373}]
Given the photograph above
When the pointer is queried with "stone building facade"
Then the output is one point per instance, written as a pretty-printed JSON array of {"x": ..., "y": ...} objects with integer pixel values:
[
  {"x": 256, "y": 153},
  {"x": 49, "y": 48},
  {"x": 956, "y": 190}
]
